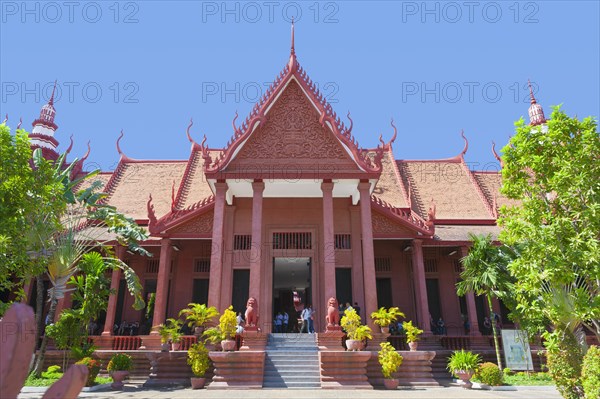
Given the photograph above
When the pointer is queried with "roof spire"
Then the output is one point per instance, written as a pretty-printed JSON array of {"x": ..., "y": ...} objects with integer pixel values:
[
  {"x": 292, "y": 49},
  {"x": 536, "y": 112},
  {"x": 292, "y": 64},
  {"x": 533, "y": 101},
  {"x": 51, "y": 101}
]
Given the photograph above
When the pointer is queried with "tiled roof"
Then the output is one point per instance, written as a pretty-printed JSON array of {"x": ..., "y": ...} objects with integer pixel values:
[
  {"x": 133, "y": 182},
  {"x": 461, "y": 232},
  {"x": 449, "y": 184},
  {"x": 389, "y": 186},
  {"x": 490, "y": 183},
  {"x": 194, "y": 186}
]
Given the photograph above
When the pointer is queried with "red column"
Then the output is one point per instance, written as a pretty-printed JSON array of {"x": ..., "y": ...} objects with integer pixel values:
[
  {"x": 228, "y": 258},
  {"x": 162, "y": 285},
  {"x": 358, "y": 292},
  {"x": 256, "y": 253},
  {"x": 216, "y": 256},
  {"x": 328, "y": 241},
  {"x": 368, "y": 251},
  {"x": 420, "y": 286},
  {"x": 471, "y": 307},
  {"x": 111, "y": 309}
]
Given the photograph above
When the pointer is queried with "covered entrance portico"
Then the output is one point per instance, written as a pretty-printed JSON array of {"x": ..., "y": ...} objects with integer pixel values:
[{"x": 291, "y": 288}]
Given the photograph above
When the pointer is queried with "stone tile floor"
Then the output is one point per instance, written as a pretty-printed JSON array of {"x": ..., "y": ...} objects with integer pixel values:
[{"x": 452, "y": 392}]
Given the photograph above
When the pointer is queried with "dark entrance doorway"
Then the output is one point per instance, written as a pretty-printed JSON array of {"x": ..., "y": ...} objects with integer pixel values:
[{"x": 291, "y": 275}]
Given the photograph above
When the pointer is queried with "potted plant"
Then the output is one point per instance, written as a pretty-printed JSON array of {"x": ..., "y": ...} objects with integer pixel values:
[
  {"x": 355, "y": 331},
  {"x": 196, "y": 316},
  {"x": 390, "y": 361},
  {"x": 383, "y": 318},
  {"x": 93, "y": 367},
  {"x": 118, "y": 368},
  {"x": 412, "y": 334},
  {"x": 165, "y": 335},
  {"x": 200, "y": 362},
  {"x": 225, "y": 331},
  {"x": 463, "y": 364},
  {"x": 175, "y": 334}
]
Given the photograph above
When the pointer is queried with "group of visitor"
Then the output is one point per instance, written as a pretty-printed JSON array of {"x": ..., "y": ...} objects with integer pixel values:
[
  {"x": 281, "y": 322},
  {"x": 437, "y": 327}
]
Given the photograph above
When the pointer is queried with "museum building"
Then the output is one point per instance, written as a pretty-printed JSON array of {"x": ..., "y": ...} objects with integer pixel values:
[{"x": 293, "y": 204}]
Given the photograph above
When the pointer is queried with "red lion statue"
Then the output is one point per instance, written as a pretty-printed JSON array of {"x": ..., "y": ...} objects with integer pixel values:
[
  {"x": 251, "y": 312},
  {"x": 333, "y": 314}
]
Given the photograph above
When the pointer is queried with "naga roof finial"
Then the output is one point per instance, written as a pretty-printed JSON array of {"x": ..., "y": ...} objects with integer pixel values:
[
  {"x": 431, "y": 211},
  {"x": 119, "y": 147},
  {"x": 5, "y": 119},
  {"x": 351, "y": 123},
  {"x": 87, "y": 154},
  {"x": 70, "y": 145},
  {"x": 464, "y": 151},
  {"x": 187, "y": 132},
  {"x": 151, "y": 215},
  {"x": 496, "y": 154},
  {"x": 395, "y": 132},
  {"x": 20, "y": 122}
]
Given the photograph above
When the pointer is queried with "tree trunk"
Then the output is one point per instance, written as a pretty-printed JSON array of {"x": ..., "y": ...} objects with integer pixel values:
[
  {"x": 39, "y": 364},
  {"x": 39, "y": 307},
  {"x": 494, "y": 332}
]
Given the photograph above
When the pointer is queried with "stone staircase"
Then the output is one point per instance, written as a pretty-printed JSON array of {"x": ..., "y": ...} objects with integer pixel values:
[{"x": 292, "y": 361}]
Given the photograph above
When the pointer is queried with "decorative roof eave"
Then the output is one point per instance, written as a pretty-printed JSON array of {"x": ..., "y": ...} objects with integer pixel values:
[
  {"x": 407, "y": 218},
  {"x": 489, "y": 207},
  {"x": 176, "y": 217},
  {"x": 328, "y": 117}
]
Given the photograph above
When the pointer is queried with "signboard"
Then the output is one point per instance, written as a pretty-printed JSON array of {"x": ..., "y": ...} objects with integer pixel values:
[{"x": 517, "y": 353}]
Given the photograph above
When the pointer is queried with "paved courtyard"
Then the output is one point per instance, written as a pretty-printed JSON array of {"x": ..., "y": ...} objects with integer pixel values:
[{"x": 418, "y": 393}]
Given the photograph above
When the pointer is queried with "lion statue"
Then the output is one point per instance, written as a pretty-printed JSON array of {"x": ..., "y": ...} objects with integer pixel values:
[
  {"x": 333, "y": 314},
  {"x": 252, "y": 312}
]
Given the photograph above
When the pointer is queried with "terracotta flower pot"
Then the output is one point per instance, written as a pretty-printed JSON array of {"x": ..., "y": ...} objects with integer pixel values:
[
  {"x": 175, "y": 346},
  {"x": 198, "y": 382},
  {"x": 413, "y": 346},
  {"x": 354, "y": 345},
  {"x": 228, "y": 345},
  {"x": 385, "y": 330},
  {"x": 165, "y": 347},
  {"x": 391, "y": 383},
  {"x": 118, "y": 376},
  {"x": 465, "y": 377},
  {"x": 198, "y": 331}
]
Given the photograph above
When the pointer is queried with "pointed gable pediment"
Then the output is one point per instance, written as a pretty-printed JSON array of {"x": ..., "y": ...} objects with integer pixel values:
[{"x": 292, "y": 135}]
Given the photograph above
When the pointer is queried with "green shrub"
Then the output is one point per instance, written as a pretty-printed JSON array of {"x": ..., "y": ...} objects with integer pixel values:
[
  {"x": 389, "y": 359},
  {"x": 198, "y": 359},
  {"x": 590, "y": 373},
  {"x": 93, "y": 367},
  {"x": 53, "y": 372},
  {"x": 463, "y": 361},
  {"x": 565, "y": 368},
  {"x": 490, "y": 374},
  {"x": 507, "y": 371}
]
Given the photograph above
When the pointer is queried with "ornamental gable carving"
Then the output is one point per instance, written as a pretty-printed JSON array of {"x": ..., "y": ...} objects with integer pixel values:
[
  {"x": 292, "y": 135},
  {"x": 202, "y": 224},
  {"x": 382, "y": 225}
]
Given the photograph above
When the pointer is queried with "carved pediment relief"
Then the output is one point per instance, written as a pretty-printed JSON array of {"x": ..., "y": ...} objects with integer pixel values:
[
  {"x": 292, "y": 135},
  {"x": 384, "y": 225},
  {"x": 202, "y": 224}
]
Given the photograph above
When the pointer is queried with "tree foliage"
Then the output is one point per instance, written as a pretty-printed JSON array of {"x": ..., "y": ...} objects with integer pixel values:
[
  {"x": 26, "y": 194},
  {"x": 555, "y": 174}
]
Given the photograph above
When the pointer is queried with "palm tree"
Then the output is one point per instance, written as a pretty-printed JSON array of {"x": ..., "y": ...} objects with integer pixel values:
[
  {"x": 64, "y": 246},
  {"x": 485, "y": 273}
]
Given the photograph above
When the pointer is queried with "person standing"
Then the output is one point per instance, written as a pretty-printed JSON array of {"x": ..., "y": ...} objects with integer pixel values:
[
  {"x": 306, "y": 313},
  {"x": 286, "y": 321}
]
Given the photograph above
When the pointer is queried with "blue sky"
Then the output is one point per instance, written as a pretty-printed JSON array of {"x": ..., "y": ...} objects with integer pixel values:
[{"x": 435, "y": 67}]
